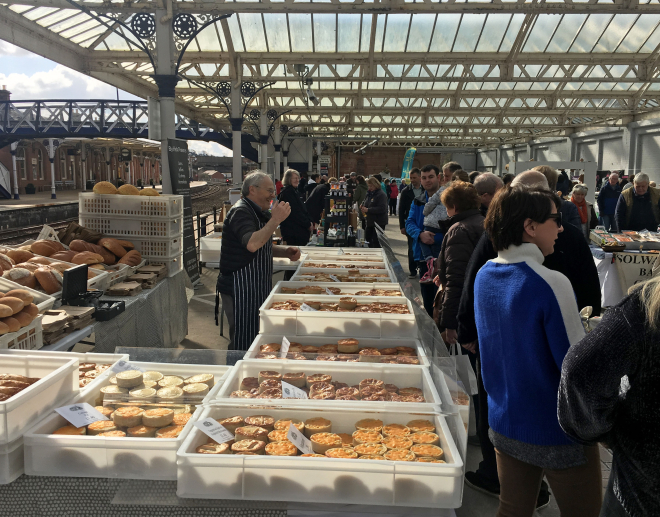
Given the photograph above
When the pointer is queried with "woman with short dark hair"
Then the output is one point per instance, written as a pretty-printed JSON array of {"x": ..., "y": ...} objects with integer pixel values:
[
  {"x": 374, "y": 209},
  {"x": 527, "y": 319},
  {"x": 297, "y": 227}
]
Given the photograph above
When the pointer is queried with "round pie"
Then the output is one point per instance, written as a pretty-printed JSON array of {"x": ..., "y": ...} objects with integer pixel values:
[
  {"x": 152, "y": 376},
  {"x": 388, "y": 351},
  {"x": 181, "y": 418},
  {"x": 318, "y": 377},
  {"x": 367, "y": 437},
  {"x": 129, "y": 379},
  {"x": 195, "y": 389},
  {"x": 371, "y": 383},
  {"x": 171, "y": 381},
  {"x": 159, "y": 417},
  {"x": 369, "y": 424},
  {"x": 242, "y": 394},
  {"x": 270, "y": 347},
  {"x": 348, "y": 346},
  {"x": 251, "y": 432},
  {"x": 251, "y": 446},
  {"x": 377, "y": 449},
  {"x": 214, "y": 448},
  {"x": 341, "y": 452},
  {"x": 112, "y": 434},
  {"x": 348, "y": 392},
  {"x": 263, "y": 421},
  {"x": 416, "y": 426},
  {"x": 428, "y": 451},
  {"x": 269, "y": 375},
  {"x": 273, "y": 393},
  {"x": 232, "y": 423},
  {"x": 128, "y": 416},
  {"x": 313, "y": 456},
  {"x": 396, "y": 430},
  {"x": 101, "y": 426},
  {"x": 170, "y": 393},
  {"x": 317, "y": 425},
  {"x": 142, "y": 431},
  {"x": 429, "y": 460},
  {"x": 425, "y": 437},
  {"x": 285, "y": 423},
  {"x": 371, "y": 457},
  {"x": 278, "y": 436},
  {"x": 172, "y": 431},
  {"x": 399, "y": 455},
  {"x": 321, "y": 442},
  {"x": 407, "y": 360},
  {"x": 248, "y": 383},
  {"x": 296, "y": 379},
  {"x": 270, "y": 384},
  {"x": 201, "y": 378},
  {"x": 369, "y": 355},
  {"x": 281, "y": 448},
  {"x": 72, "y": 430},
  {"x": 410, "y": 391},
  {"x": 397, "y": 442}
]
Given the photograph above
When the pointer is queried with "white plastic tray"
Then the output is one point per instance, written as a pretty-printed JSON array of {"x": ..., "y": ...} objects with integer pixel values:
[
  {"x": 89, "y": 357},
  {"x": 322, "y": 480},
  {"x": 357, "y": 252},
  {"x": 165, "y": 206},
  {"x": 98, "y": 281},
  {"x": 336, "y": 324},
  {"x": 400, "y": 375},
  {"x": 93, "y": 456},
  {"x": 347, "y": 288},
  {"x": 262, "y": 339},
  {"x": 11, "y": 461},
  {"x": 28, "y": 406},
  {"x": 42, "y": 300},
  {"x": 28, "y": 338},
  {"x": 133, "y": 226},
  {"x": 155, "y": 247},
  {"x": 173, "y": 264},
  {"x": 342, "y": 274}
]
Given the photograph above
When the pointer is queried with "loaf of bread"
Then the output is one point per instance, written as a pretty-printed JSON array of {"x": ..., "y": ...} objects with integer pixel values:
[
  {"x": 87, "y": 257},
  {"x": 5, "y": 311},
  {"x": 42, "y": 261},
  {"x": 104, "y": 187},
  {"x": 132, "y": 258},
  {"x": 12, "y": 323},
  {"x": 23, "y": 294},
  {"x": 113, "y": 246},
  {"x": 49, "y": 280},
  {"x": 15, "y": 304},
  {"x": 4, "y": 329},
  {"x": 6, "y": 263},
  {"x": 19, "y": 256},
  {"x": 127, "y": 245},
  {"x": 45, "y": 247},
  {"x": 149, "y": 192},
  {"x": 128, "y": 190},
  {"x": 21, "y": 276},
  {"x": 64, "y": 256},
  {"x": 23, "y": 318}
]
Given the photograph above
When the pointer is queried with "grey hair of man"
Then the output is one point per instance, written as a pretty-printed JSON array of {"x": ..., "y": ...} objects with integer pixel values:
[
  {"x": 534, "y": 179},
  {"x": 580, "y": 188},
  {"x": 551, "y": 175},
  {"x": 253, "y": 179},
  {"x": 641, "y": 177},
  {"x": 487, "y": 183},
  {"x": 288, "y": 176}
]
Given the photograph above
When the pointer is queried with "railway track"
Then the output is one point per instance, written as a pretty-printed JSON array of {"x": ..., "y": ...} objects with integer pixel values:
[{"x": 18, "y": 235}]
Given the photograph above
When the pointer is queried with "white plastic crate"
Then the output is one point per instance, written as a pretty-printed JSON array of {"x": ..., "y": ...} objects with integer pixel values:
[
  {"x": 346, "y": 288},
  {"x": 99, "y": 279},
  {"x": 342, "y": 274},
  {"x": 131, "y": 227},
  {"x": 173, "y": 264},
  {"x": 11, "y": 461},
  {"x": 167, "y": 206},
  {"x": 336, "y": 324},
  {"x": 28, "y": 406},
  {"x": 322, "y": 480},
  {"x": 95, "y": 456},
  {"x": 403, "y": 377},
  {"x": 42, "y": 300},
  {"x": 27, "y": 338},
  {"x": 263, "y": 339},
  {"x": 150, "y": 247}
]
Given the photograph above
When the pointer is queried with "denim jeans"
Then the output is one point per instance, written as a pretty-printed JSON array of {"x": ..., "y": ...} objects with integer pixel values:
[{"x": 607, "y": 220}]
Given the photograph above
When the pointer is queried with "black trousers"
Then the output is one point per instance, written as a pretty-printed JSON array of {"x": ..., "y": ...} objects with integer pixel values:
[
  {"x": 392, "y": 204},
  {"x": 371, "y": 236},
  {"x": 412, "y": 263},
  {"x": 428, "y": 290}
]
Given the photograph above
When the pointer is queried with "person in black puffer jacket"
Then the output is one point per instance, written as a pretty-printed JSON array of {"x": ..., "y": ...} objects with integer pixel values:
[
  {"x": 297, "y": 227},
  {"x": 375, "y": 210},
  {"x": 610, "y": 393},
  {"x": 315, "y": 203}
]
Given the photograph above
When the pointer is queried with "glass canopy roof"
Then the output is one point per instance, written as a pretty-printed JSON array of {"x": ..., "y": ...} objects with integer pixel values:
[{"x": 429, "y": 73}]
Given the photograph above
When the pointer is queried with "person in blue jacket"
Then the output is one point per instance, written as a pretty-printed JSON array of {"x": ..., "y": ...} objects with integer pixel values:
[
  {"x": 607, "y": 200},
  {"x": 415, "y": 229}
]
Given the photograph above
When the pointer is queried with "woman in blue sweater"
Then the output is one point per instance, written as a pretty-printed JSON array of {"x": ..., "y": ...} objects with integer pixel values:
[{"x": 527, "y": 319}]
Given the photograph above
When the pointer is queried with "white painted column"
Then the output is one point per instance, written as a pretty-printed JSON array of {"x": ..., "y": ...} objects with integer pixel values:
[
  {"x": 166, "y": 85},
  {"x": 51, "y": 157},
  {"x": 263, "y": 135},
  {"x": 285, "y": 154},
  {"x": 318, "y": 156},
  {"x": 236, "y": 123},
  {"x": 73, "y": 171},
  {"x": 310, "y": 162},
  {"x": 277, "y": 173},
  {"x": 12, "y": 150},
  {"x": 107, "y": 164},
  {"x": 83, "y": 159}
]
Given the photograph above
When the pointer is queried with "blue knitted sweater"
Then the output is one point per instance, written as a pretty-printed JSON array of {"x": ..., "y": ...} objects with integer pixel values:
[{"x": 527, "y": 319}]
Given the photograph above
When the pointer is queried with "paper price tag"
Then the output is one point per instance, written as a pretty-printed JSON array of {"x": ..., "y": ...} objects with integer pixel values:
[
  {"x": 284, "y": 349},
  {"x": 335, "y": 278},
  {"x": 124, "y": 366},
  {"x": 305, "y": 307},
  {"x": 298, "y": 439},
  {"x": 341, "y": 251},
  {"x": 213, "y": 429},
  {"x": 289, "y": 391},
  {"x": 80, "y": 415},
  {"x": 328, "y": 291}
]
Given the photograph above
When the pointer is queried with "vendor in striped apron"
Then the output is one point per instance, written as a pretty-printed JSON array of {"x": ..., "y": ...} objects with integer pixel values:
[{"x": 246, "y": 257}]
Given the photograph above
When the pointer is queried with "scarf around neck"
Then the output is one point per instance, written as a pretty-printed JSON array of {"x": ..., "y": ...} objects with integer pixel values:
[{"x": 582, "y": 209}]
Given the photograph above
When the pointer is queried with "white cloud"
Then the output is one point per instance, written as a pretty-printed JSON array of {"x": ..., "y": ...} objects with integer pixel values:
[
  {"x": 59, "y": 83},
  {"x": 210, "y": 148},
  {"x": 7, "y": 49}
]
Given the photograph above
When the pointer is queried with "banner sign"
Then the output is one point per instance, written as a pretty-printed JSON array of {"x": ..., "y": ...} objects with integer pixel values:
[
  {"x": 177, "y": 157},
  {"x": 634, "y": 268},
  {"x": 408, "y": 162}
]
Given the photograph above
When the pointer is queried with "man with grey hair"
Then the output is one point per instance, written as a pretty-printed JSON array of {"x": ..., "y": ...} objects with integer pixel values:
[
  {"x": 638, "y": 208},
  {"x": 569, "y": 211},
  {"x": 487, "y": 184},
  {"x": 246, "y": 257},
  {"x": 608, "y": 197}
]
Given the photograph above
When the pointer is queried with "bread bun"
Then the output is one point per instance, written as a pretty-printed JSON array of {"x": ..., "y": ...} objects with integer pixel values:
[
  {"x": 24, "y": 318},
  {"x": 21, "y": 276},
  {"x": 31, "y": 309},
  {"x": 127, "y": 245},
  {"x": 100, "y": 267},
  {"x": 104, "y": 187},
  {"x": 24, "y": 295},
  {"x": 132, "y": 258},
  {"x": 42, "y": 261},
  {"x": 4, "y": 328},
  {"x": 12, "y": 323},
  {"x": 49, "y": 280},
  {"x": 61, "y": 267},
  {"x": 15, "y": 304},
  {"x": 45, "y": 248},
  {"x": 19, "y": 256},
  {"x": 87, "y": 257},
  {"x": 30, "y": 266},
  {"x": 113, "y": 246},
  {"x": 80, "y": 245},
  {"x": 5, "y": 311},
  {"x": 64, "y": 256},
  {"x": 6, "y": 263},
  {"x": 128, "y": 190},
  {"x": 149, "y": 192}
]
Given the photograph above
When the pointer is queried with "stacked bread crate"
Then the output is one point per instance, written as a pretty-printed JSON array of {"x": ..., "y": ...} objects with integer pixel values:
[{"x": 154, "y": 224}]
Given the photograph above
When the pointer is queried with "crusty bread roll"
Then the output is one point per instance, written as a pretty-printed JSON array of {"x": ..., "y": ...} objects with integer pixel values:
[
  {"x": 42, "y": 261},
  {"x": 127, "y": 245},
  {"x": 113, "y": 246},
  {"x": 19, "y": 256},
  {"x": 6, "y": 263},
  {"x": 21, "y": 276},
  {"x": 128, "y": 190},
  {"x": 49, "y": 280},
  {"x": 23, "y": 318},
  {"x": 46, "y": 247},
  {"x": 104, "y": 187},
  {"x": 23, "y": 294},
  {"x": 87, "y": 257},
  {"x": 80, "y": 245},
  {"x": 4, "y": 328},
  {"x": 30, "y": 266},
  {"x": 132, "y": 258},
  {"x": 5, "y": 311},
  {"x": 16, "y": 304},
  {"x": 12, "y": 323},
  {"x": 31, "y": 309},
  {"x": 149, "y": 192},
  {"x": 64, "y": 256}
]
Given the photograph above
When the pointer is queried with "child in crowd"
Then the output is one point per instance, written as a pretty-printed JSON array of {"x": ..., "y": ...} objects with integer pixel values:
[{"x": 434, "y": 212}]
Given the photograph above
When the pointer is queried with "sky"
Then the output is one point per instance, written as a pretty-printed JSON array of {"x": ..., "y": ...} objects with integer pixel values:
[{"x": 31, "y": 77}]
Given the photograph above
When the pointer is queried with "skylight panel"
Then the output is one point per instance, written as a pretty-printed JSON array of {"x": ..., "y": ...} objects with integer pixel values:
[
  {"x": 300, "y": 26},
  {"x": 396, "y": 33},
  {"x": 277, "y": 32},
  {"x": 253, "y": 32},
  {"x": 566, "y": 32},
  {"x": 348, "y": 37},
  {"x": 469, "y": 32},
  {"x": 445, "y": 31}
]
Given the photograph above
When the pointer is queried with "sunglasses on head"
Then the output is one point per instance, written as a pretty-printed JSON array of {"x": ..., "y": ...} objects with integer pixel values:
[{"x": 557, "y": 218}]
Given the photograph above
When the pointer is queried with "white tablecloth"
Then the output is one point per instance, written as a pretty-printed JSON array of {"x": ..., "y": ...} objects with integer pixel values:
[{"x": 610, "y": 286}]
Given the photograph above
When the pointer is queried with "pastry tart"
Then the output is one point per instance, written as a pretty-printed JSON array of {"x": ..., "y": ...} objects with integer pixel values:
[
  {"x": 347, "y": 303},
  {"x": 105, "y": 411},
  {"x": 264, "y": 421},
  {"x": 251, "y": 432},
  {"x": 270, "y": 347},
  {"x": 242, "y": 394},
  {"x": 348, "y": 346},
  {"x": 274, "y": 393},
  {"x": 321, "y": 388},
  {"x": 391, "y": 388},
  {"x": 313, "y": 456},
  {"x": 369, "y": 355},
  {"x": 201, "y": 378},
  {"x": 425, "y": 437},
  {"x": 341, "y": 452},
  {"x": 270, "y": 384},
  {"x": 410, "y": 391},
  {"x": 152, "y": 376},
  {"x": 278, "y": 436},
  {"x": 328, "y": 349},
  {"x": 142, "y": 431},
  {"x": 295, "y": 347},
  {"x": 195, "y": 390},
  {"x": 269, "y": 375},
  {"x": 171, "y": 381},
  {"x": 127, "y": 416},
  {"x": 248, "y": 383},
  {"x": 371, "y": 457},
  {"x": 248, "y": 446},
  {"x": 321, "y": 442},
  {"x": 373, "y": 391},
  {"x": 429, "y": 460},
  {"x": 425, "y": 450},
  {"x": 102, "y": 426},
  {"x": 72, "y": 430},
  {"x": 317, "y": 425},
  {"x": 285, "y": 423},
  {"x": 296, "y": 356},
  {"x": 371, "y": 383},
  {"x": 281, "y": 448},
  {"x": 412, "y": 398},
  {"x": 399, "y": 455},
  {"x": 397, "y": 442},
  {"x": 232, "y": 423},
  {"x": 214, "y": 448},
  {"x": 377, "y": 449},
  {"x": 388, "y": 351},
  {"x": 129, "y": 379},
  {"x": 346, "y": 439},
  {"x": 297, "y": 379},
  {"x": 310, "y": 349},
  {"x": 142, "y": 394},
  {"x": 406, "y": 350},
  {"x": 395, "y": 430},
  {"x": 348, "y": 358},
  {"x": 181, "y": 418},
  {"x": 172, "y": 431},
  {"x": 317, "y": 377},
  {"x": 112, "y": 434},
  {"x": 267, "y": 355},
  {"x": 369, "y": 424},
  {"x": 170, "y": 394},
  {"x": 367, "y": 437},
  {"x": 400, "y": 359},
  {"x": 160, "y": 417},
  {"x": 417, "y": 426}
]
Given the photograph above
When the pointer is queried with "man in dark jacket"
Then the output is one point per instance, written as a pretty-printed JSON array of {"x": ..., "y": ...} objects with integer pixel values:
[
  {"x": 607, "y": 200},
  {"x": 309, "y": 188},
  {"x": 638, "y": 208},
  {"x": 571, "y": 257},
  {"x": 297, "y": 227},
  {"x": 315, "y": 203},
  {"x": 408, "y": 194}
]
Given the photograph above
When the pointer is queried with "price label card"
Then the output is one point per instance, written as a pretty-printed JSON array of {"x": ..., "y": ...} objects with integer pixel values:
[
  {"x": 328, "y": 291},
  {"x": 341, "y": 251},
  {"x": 289, "y": 391},
  {"x": 298, "y": 439},
  {"x": 213, "y": 429},
  {"x": 124, "y": 366},
  {"x": 335, "y": 278},
  {"x": 305, "y": 307},
  {"x": 284, "y": 349},
  {"x": 80, "y": 415}
]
